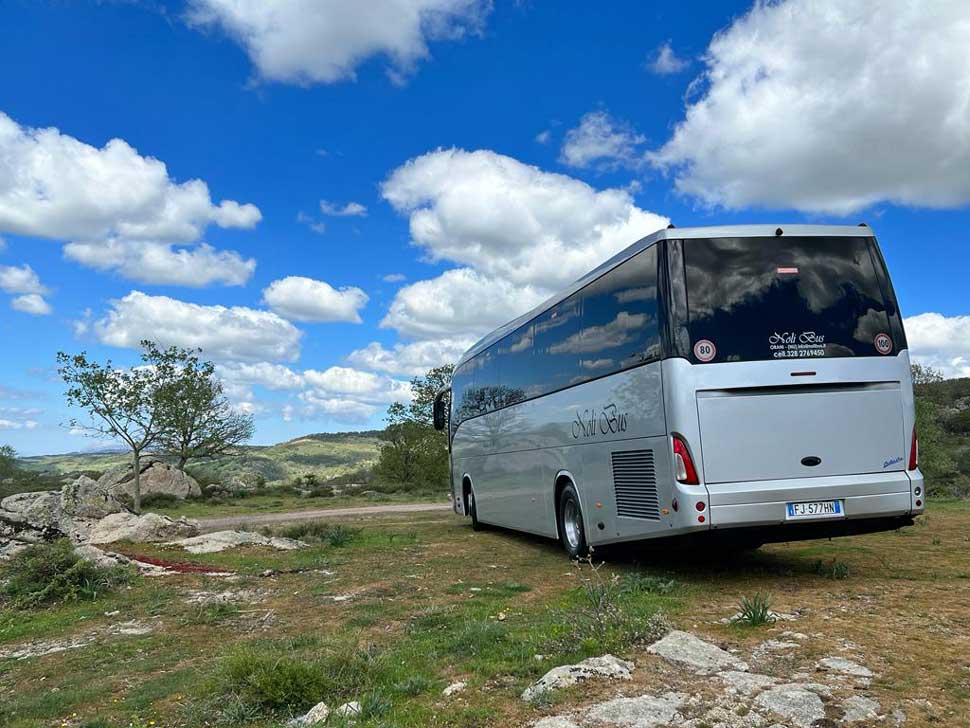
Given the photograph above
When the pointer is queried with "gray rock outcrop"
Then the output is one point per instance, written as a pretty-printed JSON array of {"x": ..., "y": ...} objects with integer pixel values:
[
  {"x": 156, "y": 477},
  {"x": 564, "y": 676}
]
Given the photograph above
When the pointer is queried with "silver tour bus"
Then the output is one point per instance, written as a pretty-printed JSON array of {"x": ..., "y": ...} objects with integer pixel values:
[{"x": 750, "y": 380}]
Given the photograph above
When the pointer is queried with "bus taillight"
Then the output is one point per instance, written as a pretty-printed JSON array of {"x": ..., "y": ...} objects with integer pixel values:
[
  {"x": 684, "y": 469},
  {"x": 914, "y": 451}
]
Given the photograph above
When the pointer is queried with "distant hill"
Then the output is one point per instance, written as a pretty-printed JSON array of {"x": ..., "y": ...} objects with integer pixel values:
[{"x": 325, "y": 455}]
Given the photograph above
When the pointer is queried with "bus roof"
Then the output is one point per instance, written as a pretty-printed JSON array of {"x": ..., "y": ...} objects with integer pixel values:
[{"x": 715, "y": 231}]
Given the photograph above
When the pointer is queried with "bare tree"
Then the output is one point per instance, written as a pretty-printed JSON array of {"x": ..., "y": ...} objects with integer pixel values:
[{"x": 121, "y": 404}]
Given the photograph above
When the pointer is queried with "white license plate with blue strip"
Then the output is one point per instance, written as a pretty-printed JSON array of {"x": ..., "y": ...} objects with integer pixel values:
[{"x": 815, "y": 509}]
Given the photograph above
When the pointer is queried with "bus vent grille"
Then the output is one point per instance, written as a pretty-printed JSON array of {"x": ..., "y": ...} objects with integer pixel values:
[{"x": 635, "y": 485}]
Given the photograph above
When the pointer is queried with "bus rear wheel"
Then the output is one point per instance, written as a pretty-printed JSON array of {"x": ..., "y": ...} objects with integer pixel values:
[
  {"x": 572, "y": 533},
  {"x": 473, "y": 511}
]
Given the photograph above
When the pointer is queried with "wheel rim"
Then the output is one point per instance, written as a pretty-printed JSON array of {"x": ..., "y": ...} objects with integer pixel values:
[{"x": 571, "y": 524}]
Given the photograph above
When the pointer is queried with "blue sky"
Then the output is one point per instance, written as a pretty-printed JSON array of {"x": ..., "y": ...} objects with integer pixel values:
[{"x": 332, "y": 197}]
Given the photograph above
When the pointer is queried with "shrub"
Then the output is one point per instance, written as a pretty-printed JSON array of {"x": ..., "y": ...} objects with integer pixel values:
[
  {"x": 755, "y": 611},
  {"x": 51, "y": 573},
  {"x": 320, "y": 532},
  {"x": 636, "y": 583},
  {"x": 833, "y": 569},
  {"x": 158, "y": 500}
]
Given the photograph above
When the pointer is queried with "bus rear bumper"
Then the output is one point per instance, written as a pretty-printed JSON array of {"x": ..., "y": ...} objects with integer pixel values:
[{"x": 765, "y": 503}]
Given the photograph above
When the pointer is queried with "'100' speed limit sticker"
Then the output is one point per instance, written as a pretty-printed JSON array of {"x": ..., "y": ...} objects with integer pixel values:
[
  {"x": 883, "y": 343},
  {"x": 705, "y": 350}
]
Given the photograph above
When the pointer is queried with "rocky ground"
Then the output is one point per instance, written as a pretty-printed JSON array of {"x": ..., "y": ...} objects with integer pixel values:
[{"x": 702, "y": 685}]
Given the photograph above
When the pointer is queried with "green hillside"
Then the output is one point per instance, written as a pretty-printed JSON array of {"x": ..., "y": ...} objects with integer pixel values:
[{"x": 325, "y": 455}]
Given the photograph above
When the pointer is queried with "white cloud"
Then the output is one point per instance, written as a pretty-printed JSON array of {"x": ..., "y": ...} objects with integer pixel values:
[
  {"x": 16, "y": 418},
  {"x": 308, "y": 41},
  {"x": 940, "y": 342},
  {"x": 235, "y": 333},
  {"x": 666, "y": 61},
  {"x": 339, "y": 409},
  {"x": 54, "y": 186},
  {"x": 511, "y": 221},
  {"x": 351, "y": 209},
  {"x": 458, "y": 303},
  {"x": 315, "y": 225},
  {"x": 306, "y": 299},
  {"x": 161, "y": 263},
  {"x": 411, "y": 359},
  {"x": 600, "y": 139},
  {"x": 831, "y": 106},
  {"x": 20, "y": 279},
  {"x": 394, "y": 278},
  {"x": 365, "y": 386},
  {"x": 265, "y": 374},
  {"x": 543, "y": 137},
  {"x": 32, "y": 303}
]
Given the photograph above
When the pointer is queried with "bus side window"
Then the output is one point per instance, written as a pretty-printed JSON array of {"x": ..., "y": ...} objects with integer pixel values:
[
  {"x": 556, "y": 353},
  {"x": 620, "y": 317}
]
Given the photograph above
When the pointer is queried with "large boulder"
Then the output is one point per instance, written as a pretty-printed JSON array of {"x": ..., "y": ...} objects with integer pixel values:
[
  {"x": 156, "y": 477},
  {"x": 40, "y": 509},
  {"x": 86, "y": 498},
  {"x": 148, "y": 527}
]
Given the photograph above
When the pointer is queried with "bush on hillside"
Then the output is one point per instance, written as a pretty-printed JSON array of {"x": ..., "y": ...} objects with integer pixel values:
[{"x": 51, "y": 573}]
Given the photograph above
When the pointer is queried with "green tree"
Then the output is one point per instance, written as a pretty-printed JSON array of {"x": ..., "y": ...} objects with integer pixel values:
[
  {"x": 925, "y": 374},
  {"x": 121, "y": 404},
  {"x": 8, "y": 461},
  {"x": 197, "y": 421},
  {"x": 413, "y": 453}
]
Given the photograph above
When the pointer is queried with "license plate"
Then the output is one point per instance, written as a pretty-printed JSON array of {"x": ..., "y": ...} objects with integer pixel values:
[{"x": 815, "y": 509}]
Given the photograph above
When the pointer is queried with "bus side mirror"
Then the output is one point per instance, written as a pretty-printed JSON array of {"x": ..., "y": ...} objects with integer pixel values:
[{"x": 439, "y": 410}]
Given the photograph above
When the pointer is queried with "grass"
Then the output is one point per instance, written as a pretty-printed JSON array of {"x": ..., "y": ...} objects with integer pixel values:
[{"x": 431, "y": 603}]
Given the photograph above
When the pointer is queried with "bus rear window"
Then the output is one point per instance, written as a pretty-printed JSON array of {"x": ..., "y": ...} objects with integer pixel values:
[{"x": 752, "y": 299}]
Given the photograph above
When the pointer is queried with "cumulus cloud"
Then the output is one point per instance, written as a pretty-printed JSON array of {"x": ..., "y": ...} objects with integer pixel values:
[
  {"x": 544, "y": 136},
  {"x": 119, "y": 209},
  {"x": 410, "y": 359},
  {"x": 223, "y": 333},
  {"x": 31, "y": 303},
  {"x": 512, "y": 221},
  {"x": 458, "y": 303},
  {"x": 20, "y": 279},
  {"x": 830, "y": 106},
  {"x": 394, "y": 278},
  {"x": 666, "y": 62},
  {"x": 365, "y": 386},
  {"x": 601, "y": 140},
  {"x": 940, "y": 342},
  {"x": 54, "y": 186},
  {"x": 24, "y": 281},
  {"x": 305, "y": 299},
  {"x": 308, "y": 41},
  {"x": 351, "y": 209},
  {"x": 265, "y": 374},
  {"x": 161, "y": 263},
  {"x": 339, "y": 409}
]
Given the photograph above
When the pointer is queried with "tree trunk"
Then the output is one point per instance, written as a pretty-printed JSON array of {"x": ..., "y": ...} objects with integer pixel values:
[
  {"x": 182, "y": 461},
  {"x": 136, "y": 495}
]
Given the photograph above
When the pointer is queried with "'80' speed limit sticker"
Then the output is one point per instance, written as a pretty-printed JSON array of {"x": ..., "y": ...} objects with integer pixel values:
[{"x": 705, "y": 350}]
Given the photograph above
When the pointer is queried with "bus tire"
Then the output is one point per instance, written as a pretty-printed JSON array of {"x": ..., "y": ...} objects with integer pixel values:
[
  {"x": 572, "y": 532},
  {"x": 473, "y": 512}
]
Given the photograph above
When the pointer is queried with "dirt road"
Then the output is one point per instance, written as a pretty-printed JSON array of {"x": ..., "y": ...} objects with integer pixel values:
[{"x": 260, "y": 519}]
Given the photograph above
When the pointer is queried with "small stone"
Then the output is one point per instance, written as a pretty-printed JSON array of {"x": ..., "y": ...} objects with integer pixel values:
[
  {"x": 843, "y": 666},
  {"x": 646, "y": 711},
  {"x": 556, "y": 721},
  {"x": 701, "y": 657},
  {"x": 348, "y": 709},
  {"x": 860, "y": 708},
  {"x": 454, "y": 688},
  {"x": 793, "y": 703},
  {"x": 564, "y": 676},
  {"x": 317, "y": 714}
]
